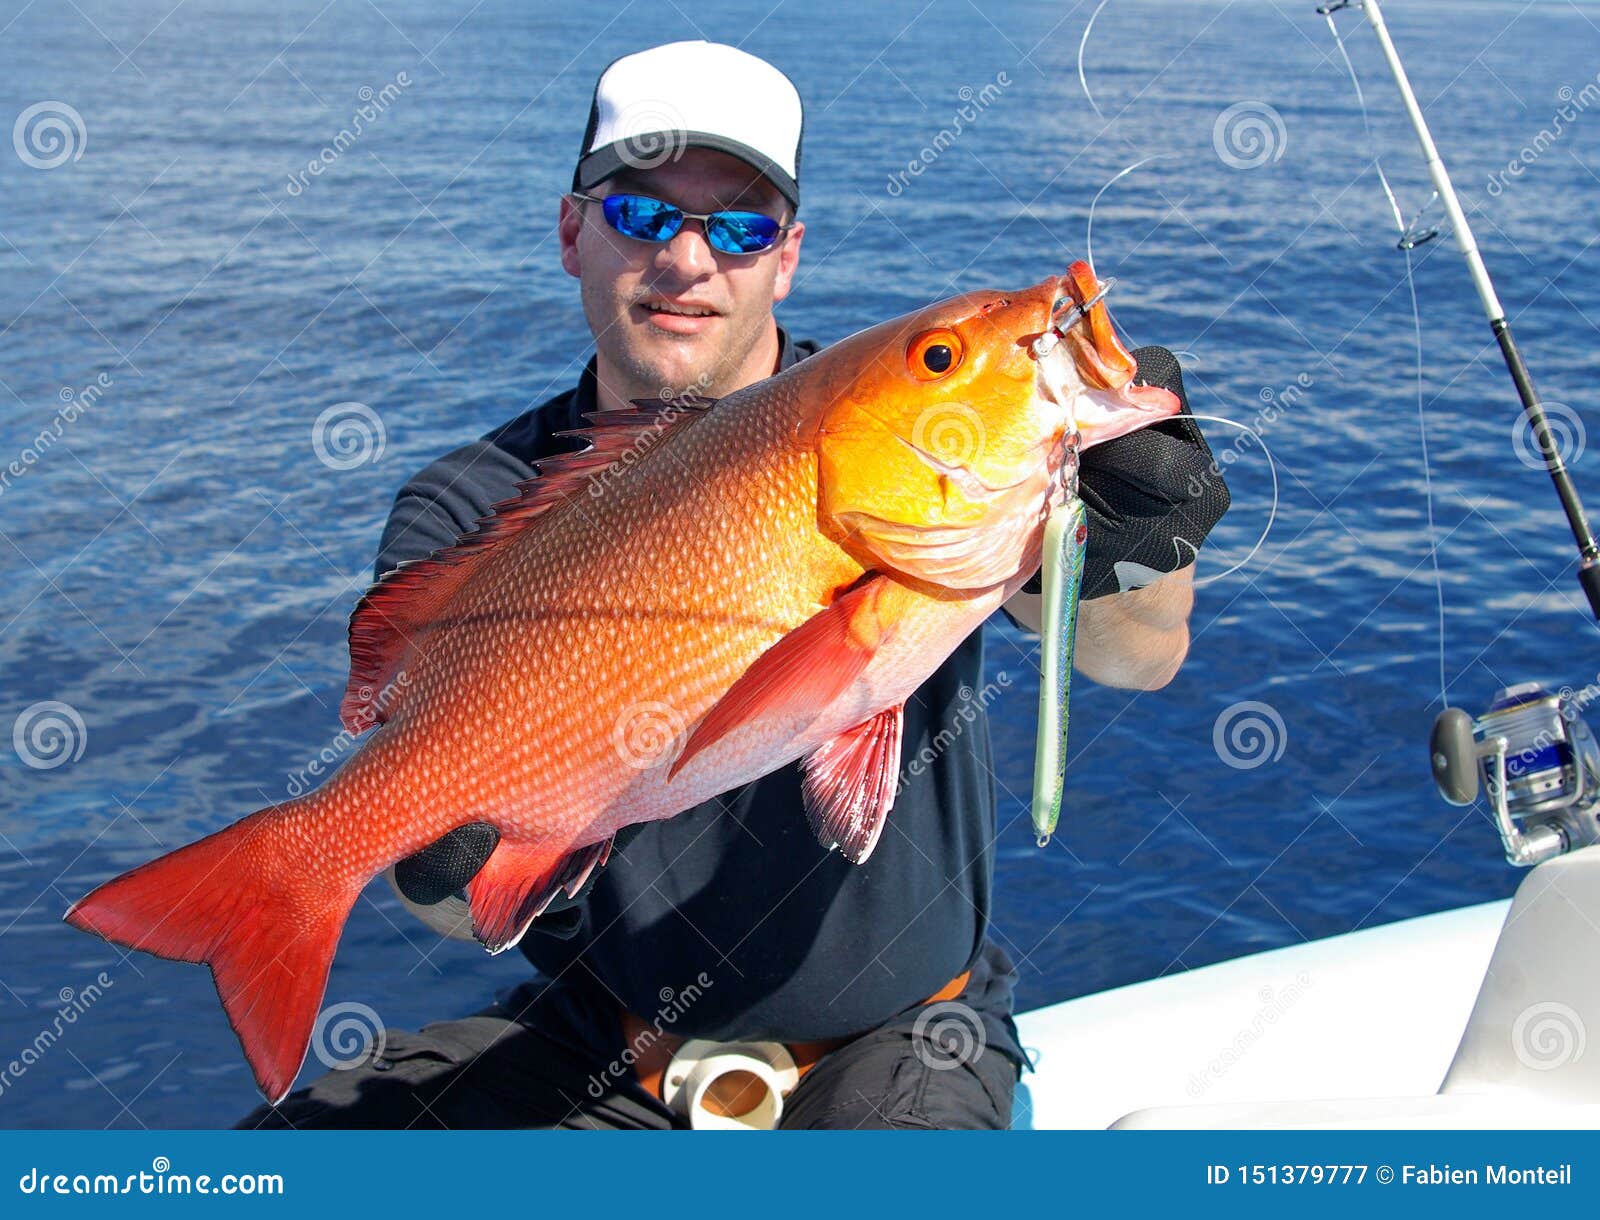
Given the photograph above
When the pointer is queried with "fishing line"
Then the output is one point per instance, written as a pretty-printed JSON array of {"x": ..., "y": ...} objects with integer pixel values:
[
  {"x": 1082, "y": 44},
  {"x": 1272, "y": 513},
  {"x": 1411, "y": 236},
  {"x": 1088, "y": 237}
]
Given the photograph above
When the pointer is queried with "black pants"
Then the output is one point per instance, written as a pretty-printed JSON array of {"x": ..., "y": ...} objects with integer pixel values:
[{"x": 549, "y": 1055}]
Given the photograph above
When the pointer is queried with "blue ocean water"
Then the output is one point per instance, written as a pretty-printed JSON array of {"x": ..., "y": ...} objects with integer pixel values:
[{"x": 182, "y": 300}]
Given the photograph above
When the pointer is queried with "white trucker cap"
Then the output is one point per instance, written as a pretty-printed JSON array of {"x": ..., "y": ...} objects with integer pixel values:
[{"x": 650, "y": 106}]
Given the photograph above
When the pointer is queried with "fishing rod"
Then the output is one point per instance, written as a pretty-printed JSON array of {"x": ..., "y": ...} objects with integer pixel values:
[
  {"x": 1588, "y": 549},
  {"x": 1531, "y": 751}
]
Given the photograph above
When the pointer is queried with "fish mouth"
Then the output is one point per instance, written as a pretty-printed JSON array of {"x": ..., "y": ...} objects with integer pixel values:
[
  {"x": 1081, "y": 318},
  {"x": 1085, "y": 371},
  {"x": 1079, "y": 329}
]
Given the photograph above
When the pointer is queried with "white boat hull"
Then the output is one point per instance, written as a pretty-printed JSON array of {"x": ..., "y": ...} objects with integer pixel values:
[{"x": 1475, "y": 1018}]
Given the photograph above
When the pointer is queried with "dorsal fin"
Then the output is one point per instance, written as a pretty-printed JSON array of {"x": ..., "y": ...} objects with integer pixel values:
[{"x": 394, "y": 616}]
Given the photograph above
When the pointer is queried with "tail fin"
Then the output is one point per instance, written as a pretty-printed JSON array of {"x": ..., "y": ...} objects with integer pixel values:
[{"x": 238, "y": 901}]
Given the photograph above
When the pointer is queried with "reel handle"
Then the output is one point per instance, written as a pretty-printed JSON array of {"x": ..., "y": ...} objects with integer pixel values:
[{"x": 1453, "y": 755}]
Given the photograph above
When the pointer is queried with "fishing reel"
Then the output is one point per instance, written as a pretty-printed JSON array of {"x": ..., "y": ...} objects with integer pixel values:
[{"x": 1539, "y": 763}]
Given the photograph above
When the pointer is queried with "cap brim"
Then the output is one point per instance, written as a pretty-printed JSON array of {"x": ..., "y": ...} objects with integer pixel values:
[{"x": 648, "y": 151}]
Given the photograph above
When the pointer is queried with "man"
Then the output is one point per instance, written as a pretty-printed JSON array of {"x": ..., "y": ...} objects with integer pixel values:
[{"x": 728, "y": 922}]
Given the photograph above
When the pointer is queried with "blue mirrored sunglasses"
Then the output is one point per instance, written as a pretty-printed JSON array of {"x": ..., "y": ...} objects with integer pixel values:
[{"x": 647, "y": 219}]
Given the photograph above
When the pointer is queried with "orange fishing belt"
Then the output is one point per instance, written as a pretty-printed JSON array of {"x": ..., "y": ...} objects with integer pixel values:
[{"x": 655, "y": 1052}]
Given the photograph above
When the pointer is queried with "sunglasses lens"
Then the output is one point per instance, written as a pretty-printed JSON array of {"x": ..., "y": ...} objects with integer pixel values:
[
  {"x": 647, "y": 219},
  {"x": 642, "y": 217},
  {"x": 741, "y": 232}
]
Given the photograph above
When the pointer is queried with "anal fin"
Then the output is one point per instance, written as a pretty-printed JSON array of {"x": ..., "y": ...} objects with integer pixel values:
[
  {"x": 850, "y": 784},
  {"x": 519, "y": 881}
]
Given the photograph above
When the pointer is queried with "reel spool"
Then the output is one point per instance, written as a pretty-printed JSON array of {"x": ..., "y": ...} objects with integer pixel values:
[{"x": 1537, "y": 759}]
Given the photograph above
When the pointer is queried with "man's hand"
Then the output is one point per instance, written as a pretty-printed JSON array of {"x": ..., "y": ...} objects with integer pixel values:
[
  {"x": 1152, "y": 497},
  {"x": 431, "y": 882}
]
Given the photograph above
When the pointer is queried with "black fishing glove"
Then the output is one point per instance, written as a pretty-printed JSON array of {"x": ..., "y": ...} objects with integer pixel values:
[
  {"x": 444, "y": 867},
  {"x": 1152, "y": 496}
]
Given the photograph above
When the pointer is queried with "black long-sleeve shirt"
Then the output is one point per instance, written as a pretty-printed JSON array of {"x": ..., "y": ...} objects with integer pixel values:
[{"x": 798, "y": 943}]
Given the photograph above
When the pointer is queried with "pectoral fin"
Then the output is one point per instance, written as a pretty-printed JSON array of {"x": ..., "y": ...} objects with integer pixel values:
[
  {"x": 850, "y": 784},
  {"x": 804, "y": 671}
]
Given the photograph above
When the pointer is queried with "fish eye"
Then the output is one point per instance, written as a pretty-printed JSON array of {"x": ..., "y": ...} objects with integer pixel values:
[{"x": 934, "y": 354}]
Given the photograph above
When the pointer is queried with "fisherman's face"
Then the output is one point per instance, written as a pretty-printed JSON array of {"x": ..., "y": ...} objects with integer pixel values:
[{"x": 625, "y": 282}]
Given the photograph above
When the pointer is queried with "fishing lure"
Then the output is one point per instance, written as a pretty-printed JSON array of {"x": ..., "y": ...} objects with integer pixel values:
[
  {"x": 1066, "y": 543},
  {"x": 1066, "y": 535}
]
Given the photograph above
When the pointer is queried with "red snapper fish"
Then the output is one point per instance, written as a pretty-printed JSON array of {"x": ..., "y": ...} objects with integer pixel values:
[{"x": 708, "y": 592}]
